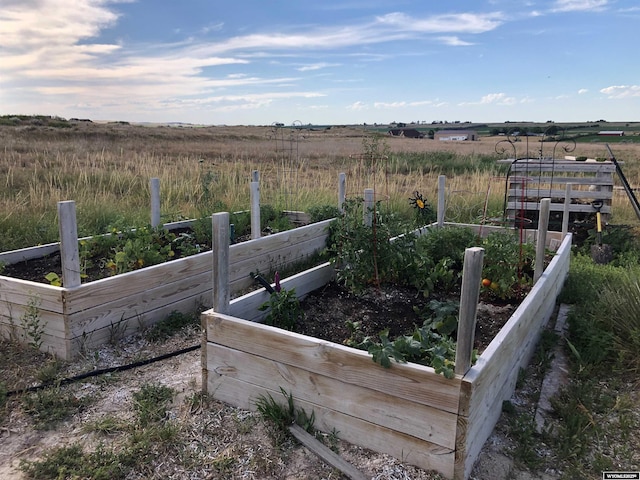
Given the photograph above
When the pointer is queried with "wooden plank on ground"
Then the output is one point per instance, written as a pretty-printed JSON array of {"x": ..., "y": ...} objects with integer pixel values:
[
  {"x": 404, "y": 447},
  {"x": 326, "y": 454},
  {"x": 410, "y": 381}
]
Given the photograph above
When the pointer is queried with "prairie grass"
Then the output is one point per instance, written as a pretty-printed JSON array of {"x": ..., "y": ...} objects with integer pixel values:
[{"x": 106, "y": 170}]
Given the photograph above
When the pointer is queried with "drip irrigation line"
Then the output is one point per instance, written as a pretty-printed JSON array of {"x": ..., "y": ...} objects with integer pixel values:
[{"x": 102, "y": 371}]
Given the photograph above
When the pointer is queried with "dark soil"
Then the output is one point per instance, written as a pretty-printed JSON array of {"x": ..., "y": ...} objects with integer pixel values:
[{"x": 328, "y": 310}]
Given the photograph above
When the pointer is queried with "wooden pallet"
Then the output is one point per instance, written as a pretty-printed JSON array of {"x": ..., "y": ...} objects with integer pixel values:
[{"x": 531, "y": 180}]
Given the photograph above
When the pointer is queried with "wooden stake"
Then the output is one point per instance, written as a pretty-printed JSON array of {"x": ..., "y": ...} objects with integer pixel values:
[
  {"x": 69, "y": 254},
  {"x": 342, "y": 191},
  {"x": 541, "y": 241},
  {"x": 368, "y": 207},
  {"x": 469, "y": 295},
  {"x": 441, "y": 206},
  {"x": 154, "y": 185},
  {"x": 255, "y": 210},
  {"x": 220, "y": 247}
]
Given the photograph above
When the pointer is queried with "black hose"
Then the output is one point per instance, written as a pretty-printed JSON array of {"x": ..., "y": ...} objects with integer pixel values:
[{"x": 102, "y": 371}]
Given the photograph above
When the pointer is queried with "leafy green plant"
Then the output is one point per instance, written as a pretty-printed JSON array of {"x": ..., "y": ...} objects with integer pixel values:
[
  {"x": 364, "y": 255},
  {"x": 49, "y": 406},
  {"x": 33, "y": 325},
  {"x": 151, "y": 402},
  {"x": 174, "y": 322},
  {"x": 425, "y": 346},
  {"x": 282, "y": 416},
  {"x": 72, "y": 462},
  {"x": 318, "y": 213},
  {"x": 283, "y": 308},
  {"x": 508, "y": 265}
]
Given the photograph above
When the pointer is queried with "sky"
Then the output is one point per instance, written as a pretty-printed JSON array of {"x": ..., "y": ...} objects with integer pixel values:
[{"x": 258, "y": 62}]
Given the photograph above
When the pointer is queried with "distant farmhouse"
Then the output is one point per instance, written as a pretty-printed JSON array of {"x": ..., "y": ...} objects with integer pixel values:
[
  {"x": 455, "y": 135},
  {"x": 611, "y": 133},
  {"x": 406, "y": 132}
]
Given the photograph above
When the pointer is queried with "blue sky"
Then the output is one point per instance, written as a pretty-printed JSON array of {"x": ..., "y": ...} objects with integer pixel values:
[{"x": 256, "y": 62}]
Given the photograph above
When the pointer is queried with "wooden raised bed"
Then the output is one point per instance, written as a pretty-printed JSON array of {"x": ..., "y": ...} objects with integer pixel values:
[
  {"x": 94, "y": 313},
  {"x": 407, "y": 411}
]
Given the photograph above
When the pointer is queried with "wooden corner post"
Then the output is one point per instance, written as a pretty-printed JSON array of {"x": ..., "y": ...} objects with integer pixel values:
[
  {"x": 441, "y": 199},
  {"x": 255, "y": 205},
  {"x": 342, "y": 191},
  {"x": 154, "y": 186},
  {"x": 541, "y": 240},
  {"x": 220, "y": 248},
  {"x": 69, "y": 253},
  {"x": 469, "y": 295}
]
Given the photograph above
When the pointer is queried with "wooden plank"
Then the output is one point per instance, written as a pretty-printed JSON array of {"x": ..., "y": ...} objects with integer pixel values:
[
  {"x": 404, "y": 447},
  {"x": 51, "y": 342},
  {"x": 20, "y": 292},
  {"x": 555, "y": 207},
  {"x": 272, "y": 260},
  {"x": 51, "y": 322},
  {"x": 410, "y": 381},
  {"x": 246, "y": 306},
  {"x": 326, "y": 454},
  {"x": 110, "y": 333},
  {"x": 562, "y": 166},
  {"x": 382, "y": 408},
  {"x": 111, "y": 289},
  {"x": 29, "y": 253},
  {"x": 560, "y": 181},
  {"x": 517, "y": 193},
  {"x": 131, "y": 306},
  {"x": 249, "y": 250}
]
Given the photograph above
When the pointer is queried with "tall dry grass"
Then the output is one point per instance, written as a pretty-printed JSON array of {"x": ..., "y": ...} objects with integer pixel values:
[{"x": 106, "y": 170}]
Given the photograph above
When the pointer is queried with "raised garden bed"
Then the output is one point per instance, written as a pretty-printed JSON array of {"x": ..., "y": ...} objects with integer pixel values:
[
  {"x": 407, "y": 411},
  {"x": 69, "y": 320}
]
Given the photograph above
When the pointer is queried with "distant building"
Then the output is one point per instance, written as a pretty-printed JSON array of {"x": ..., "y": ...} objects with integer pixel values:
[
  {"x": 455, "y": 135},
  {"x": 611, "y": 133},
  {"x": 406, "y": 132}
]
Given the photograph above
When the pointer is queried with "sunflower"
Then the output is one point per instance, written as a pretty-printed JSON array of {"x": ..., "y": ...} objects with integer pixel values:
[{"x": 418, "y": 201}]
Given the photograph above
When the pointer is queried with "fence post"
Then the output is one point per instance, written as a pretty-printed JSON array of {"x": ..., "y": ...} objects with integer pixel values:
[
  {"x": 368, "y": 207},
  {"x": 154, "y": 185},
  {"x": 441, "y": 206},
  {"x": 342, "y": 191},
  {"x": 469, "y": 295},
  {"x": 220, "y": 247},
  {"x": 565, "y": 211},
  {"x": 255, "y": 206},
  {"x": 69, "y": 254},
  {"x": 541, "y": 240}
]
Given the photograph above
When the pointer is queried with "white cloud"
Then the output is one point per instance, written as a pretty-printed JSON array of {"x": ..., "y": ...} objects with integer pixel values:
[
  {"x": 459, "y": 23},
  {"x": 579, "y": 5},
  {"x": 454, "y": 41},
  {"x": 316, "y": 66},
  {"x": 492, "y": 99},
  {"x": 357, "y": 106},
  {"x": 621, "y": 91},
  {"x": 582, "y": 91}
]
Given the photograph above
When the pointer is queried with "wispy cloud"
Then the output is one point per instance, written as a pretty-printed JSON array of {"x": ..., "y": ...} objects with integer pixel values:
[
  {"x": 579, "y": 5},
  {"x": 493, "y": 99},
  {"x": 621, "y": 91}
]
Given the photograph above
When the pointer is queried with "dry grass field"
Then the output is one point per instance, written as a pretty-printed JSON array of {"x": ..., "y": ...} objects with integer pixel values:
[{"x": 106, "y": 169}]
